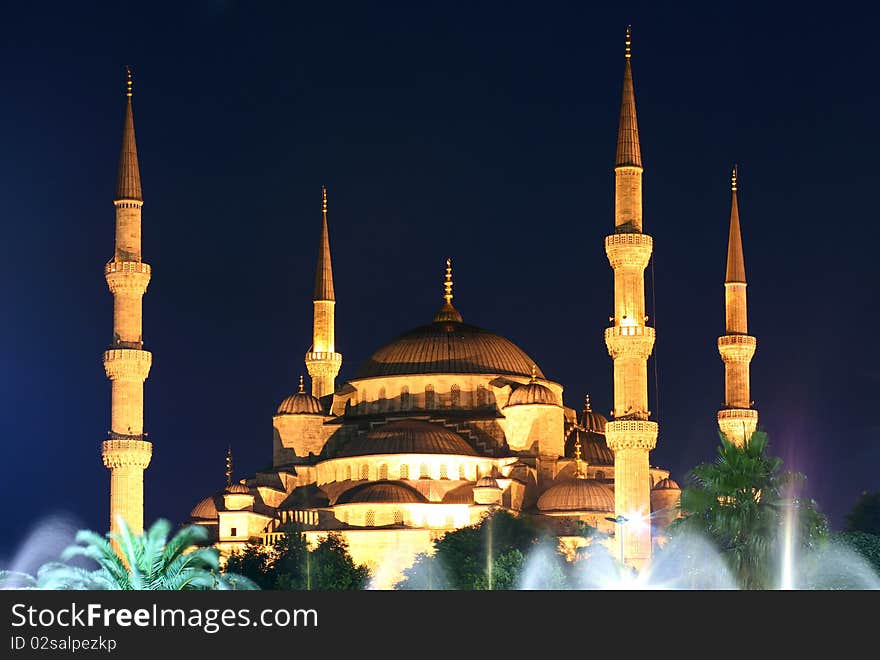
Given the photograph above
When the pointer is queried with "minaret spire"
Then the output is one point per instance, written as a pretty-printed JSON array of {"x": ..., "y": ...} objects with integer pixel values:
[
  {"x": 447, "y": 313},
  {"x": 630, "y": 435},
  {"x": 126, "y": 453},
  {"x": 322, "y": 361},
  {"x": 229, "y": 466},
  {"x": 737, "y": 420}
]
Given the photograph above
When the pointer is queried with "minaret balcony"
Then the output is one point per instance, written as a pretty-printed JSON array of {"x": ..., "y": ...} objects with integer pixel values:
[
  {"x": 629, "y": 341},
  {"x": 127, "y": 276},
  {"x": 127, "y": 364},
  {"x": 324, "y": 358},
  {"x": 629, "y": 250},
  {"x": 631, "y": 434},
  {"x": 118, "y": 453},
  {"x": 737, "y": 348}
]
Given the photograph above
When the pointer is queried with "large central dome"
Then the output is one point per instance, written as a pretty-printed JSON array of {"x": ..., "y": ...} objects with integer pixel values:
[{"x": 448, "y": 347}]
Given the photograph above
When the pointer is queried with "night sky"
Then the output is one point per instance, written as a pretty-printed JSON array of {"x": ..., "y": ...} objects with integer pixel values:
[{"x": 482, "y": 133}]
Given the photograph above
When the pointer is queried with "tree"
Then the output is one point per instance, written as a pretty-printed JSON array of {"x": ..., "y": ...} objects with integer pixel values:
[
  {"x": 333, "y": 569},
  {"x": 253, "y": 563},
  {"x": 741, "y": 503},
  {"x": 865, "y": 516},
  {"x": 148, "y": 561}
]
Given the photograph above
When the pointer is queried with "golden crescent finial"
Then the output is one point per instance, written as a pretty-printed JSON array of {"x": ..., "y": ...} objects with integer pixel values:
[
  {"x": 128, "y": 83},
  {"x": 229, "y": 465},
  {"x": 324, "y": 200},
  {"x": 733, "y": 179},
  {"x": 578, "y": 461},
  {"x": 447, "y": 284},
  {"x": 534, "y": 372},
  {"x": 587, "y": 404},
  {"x": 302, "y": 389},
  {"x": 627, "y": 53}
]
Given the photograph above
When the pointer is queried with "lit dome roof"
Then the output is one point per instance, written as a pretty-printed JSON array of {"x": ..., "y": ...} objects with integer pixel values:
[
  {"x": 577, "y": 495},
  {"x": 591, "y": 420},
  {"x": 487, "y": 482},
  {"x": 408, "y": 436},
  {"x": 667, "y": 484},
  {"x": 594, "y": 449},
  {"x": 300, "y": 403},
  {"x": 392, "y": 492},
  {"x": 532, "y": 393},
  {"x": 448, "y": 347},
  {"x": 206, "y": 509},
  {"x": 239, "y": 489}
]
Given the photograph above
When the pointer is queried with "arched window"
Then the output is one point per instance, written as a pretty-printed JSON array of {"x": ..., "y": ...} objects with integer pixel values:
[
  {"x": 371, "y": 518},
  {"x": 404, "y": 471},
  {"x": 455, "y": 396},
  {"x": 430, "y": 402},
  {"x": 365, "y": 471},
  {"x": 382, "y": 403},
  {"x": 482, "y": 396},
  {"x": 404, "y": 398},
  {"x": 383, "y": 471},
  {"x": 424, "y": 472},
  {"x": 462, "y": 474},
  {"x": 600, "y": 476},
  {"x": 348, "y": 472},
  {"x": 398, "y": 517},
  {"x": 450, "y": 523},
  {"x": 444, "y": 473}
]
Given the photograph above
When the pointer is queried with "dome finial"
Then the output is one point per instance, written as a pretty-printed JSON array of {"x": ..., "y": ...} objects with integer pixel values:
[
  {"x": 229, "y": 466},
  {"x": 578, "y": 461},
  {"x": 447, "y": 285},
  {"x": 733, "y": 179},
  {"x": 324, "y": 201},
  {"x": 587, "y": 407},
  {"x": 128, "y": 81},
  {"x": 627, "y": 53},
  {"x": 534, "y": 373},
  {"x": 301, "y": 387}
]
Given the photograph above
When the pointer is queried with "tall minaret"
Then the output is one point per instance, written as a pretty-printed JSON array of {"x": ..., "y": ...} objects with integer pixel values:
[
  {"x": 630, "y": 435},
  {"x": 322, "y": 361},
  {"x": 126, "y": 453},
  {"x": 737, "y": 419}
]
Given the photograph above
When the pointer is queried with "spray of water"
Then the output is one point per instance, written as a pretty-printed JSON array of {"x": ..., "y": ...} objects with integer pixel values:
[{"x": 43, "y": 543}]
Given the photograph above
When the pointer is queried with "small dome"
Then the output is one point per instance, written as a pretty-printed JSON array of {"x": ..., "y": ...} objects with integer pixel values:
[
  {"x": 240, "y": 489},
  {"x": 577, "y": 495},
  {"x": 390, "y": 492},
  {"x": 300, "y": 403},
  {"x": 532, "y": 393},
  {"x": 667, "y": 484},
  {"x": 408, "y": 436},
  {"x": 463, "y": 494},
  {"x": 205, "y": 509},
  {"x": 487, "y": 482},
  {"x": 594, "y": 449},
  {"x": 591, "y": 420}
]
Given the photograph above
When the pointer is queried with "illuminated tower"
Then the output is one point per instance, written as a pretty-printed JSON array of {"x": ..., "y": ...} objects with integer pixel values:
[
  {"x": 126, "y": 453},
  {"x": 322, "y": 361},
  {"x": 737, "y": 419},
  {"x": 630, "y": 435}
]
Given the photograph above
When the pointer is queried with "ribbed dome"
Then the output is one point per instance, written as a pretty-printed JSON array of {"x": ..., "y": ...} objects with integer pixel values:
[
  {"x": 240, "y": 489},
  {"x": 300, "y": 403},
  {"x": 591, "y": 420},
  {"x": 206, "y": 509},
  {"x": 463, "y": 494},
  {"x": 667, "y": 484},
  {"x": 594, "y": 449},
  {"x": 391, "y": 492},
  {"x": 532, "y": 393},
  {"x": 577, "y": 495},
  {"x": 448, "y": 347},
  {"x": 408, "y": 436}
]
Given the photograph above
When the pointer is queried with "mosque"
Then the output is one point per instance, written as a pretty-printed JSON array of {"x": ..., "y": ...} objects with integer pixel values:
[{"x": 443, "y": 423}]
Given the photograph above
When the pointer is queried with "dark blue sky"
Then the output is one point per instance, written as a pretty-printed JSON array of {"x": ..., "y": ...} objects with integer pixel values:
[{"x": 482, "y": 133}]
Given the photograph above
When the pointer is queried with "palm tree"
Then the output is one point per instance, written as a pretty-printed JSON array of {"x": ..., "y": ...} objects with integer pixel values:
[
  {"x": 741, "y": 503},
  {"x": 149, "y": 561}
]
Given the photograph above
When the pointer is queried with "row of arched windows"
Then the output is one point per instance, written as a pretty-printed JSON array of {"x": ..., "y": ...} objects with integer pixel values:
[
  {"x": 430, "y": 400},
  {"x": 406, "y": 471}
]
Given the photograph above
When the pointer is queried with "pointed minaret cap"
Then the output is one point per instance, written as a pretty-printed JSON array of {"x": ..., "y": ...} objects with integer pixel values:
[
  {"x": 629, "y": 153},
  {"x": 736, "y": 265},
  {"x": 447, "y": 313},
  {"x": 229, "y": 466},
  {"x": 324, "y": 272},
  {"x": 128, "y": 180}
]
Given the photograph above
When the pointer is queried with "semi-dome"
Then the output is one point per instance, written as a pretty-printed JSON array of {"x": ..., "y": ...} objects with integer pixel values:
[
  {"x": 667, "y": 484},
  {"x": 532, "y": 393},
  {"x": 577, "y": 495},
  {"x": 300, "y": 403},
  {"x": 387, "y": 492},
  {"x": 408, "y": 436},
  {"x": 594, "y": 449},
  {"x": 239, "y": 489},
  {"x": 487, "y": 482},
  {"x": 206, "y": 509},
  {"x": 448, "y": 347}
]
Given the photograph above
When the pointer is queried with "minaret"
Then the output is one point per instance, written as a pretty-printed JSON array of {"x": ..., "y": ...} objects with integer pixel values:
[
  {"x": 126, "y": 453},
  {"x": 630, "y": 435},
  {"x": 322, "y": 361},
  {"x": 737, "y": 420}
]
